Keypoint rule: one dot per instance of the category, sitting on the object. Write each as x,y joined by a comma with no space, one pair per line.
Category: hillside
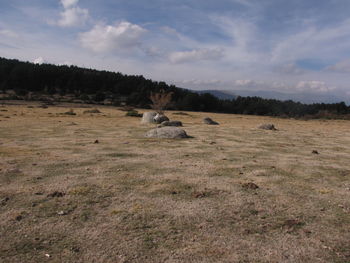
28,81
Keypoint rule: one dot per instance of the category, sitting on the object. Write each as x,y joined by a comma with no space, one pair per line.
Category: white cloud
291,69
244,82
39,60
108,38
341,67
243,38
8,33
196,55
314,85
313,42
69,3
73,16
201,82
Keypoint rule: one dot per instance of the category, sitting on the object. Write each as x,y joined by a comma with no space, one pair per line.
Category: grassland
65,198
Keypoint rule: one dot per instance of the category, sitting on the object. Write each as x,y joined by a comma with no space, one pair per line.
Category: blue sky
285,45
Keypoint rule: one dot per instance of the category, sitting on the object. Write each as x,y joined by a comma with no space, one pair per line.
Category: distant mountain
303,97
220,94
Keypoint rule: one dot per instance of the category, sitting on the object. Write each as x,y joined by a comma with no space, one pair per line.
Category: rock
250,186
315,152
14,171
71,124
19,218
159,118
96,141
209,121
267,126
148,117
62,213
92,111
167,133
56,194
4,201
171,123
200,194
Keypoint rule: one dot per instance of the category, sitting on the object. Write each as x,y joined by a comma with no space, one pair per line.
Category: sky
288,46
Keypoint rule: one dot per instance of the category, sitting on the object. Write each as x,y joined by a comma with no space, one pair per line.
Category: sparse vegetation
239,194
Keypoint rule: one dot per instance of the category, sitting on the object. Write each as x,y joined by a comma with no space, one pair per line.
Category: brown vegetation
160,100
232,193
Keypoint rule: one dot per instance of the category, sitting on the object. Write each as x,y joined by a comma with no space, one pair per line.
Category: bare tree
160,100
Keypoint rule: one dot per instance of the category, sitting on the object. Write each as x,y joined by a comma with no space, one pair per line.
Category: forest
42,81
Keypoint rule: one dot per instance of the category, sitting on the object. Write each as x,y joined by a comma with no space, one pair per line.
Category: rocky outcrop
167,133
148,117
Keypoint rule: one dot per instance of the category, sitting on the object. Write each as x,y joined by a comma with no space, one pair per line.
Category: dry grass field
232,193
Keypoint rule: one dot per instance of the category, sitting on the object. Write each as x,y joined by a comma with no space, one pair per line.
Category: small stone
19,218
209,121
96,141
159,118
75,249
56,194
199,194
315,152
267,126
47,255
62,213
5,199
14,171
250,186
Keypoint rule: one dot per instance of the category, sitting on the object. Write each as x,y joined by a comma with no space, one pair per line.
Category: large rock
167,133
267,126
210,121
148,117
159,118
171,123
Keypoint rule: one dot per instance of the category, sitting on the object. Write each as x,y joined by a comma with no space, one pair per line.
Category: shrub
160,100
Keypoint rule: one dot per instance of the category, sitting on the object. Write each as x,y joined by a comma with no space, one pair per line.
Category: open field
64,198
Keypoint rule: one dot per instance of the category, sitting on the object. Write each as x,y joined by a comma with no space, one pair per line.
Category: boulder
171,123
148,117
209,121
167,133
159,118
267,126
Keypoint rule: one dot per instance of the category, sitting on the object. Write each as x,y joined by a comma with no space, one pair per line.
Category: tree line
96,86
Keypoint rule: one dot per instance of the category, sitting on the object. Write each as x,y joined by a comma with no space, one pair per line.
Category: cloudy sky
285,45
